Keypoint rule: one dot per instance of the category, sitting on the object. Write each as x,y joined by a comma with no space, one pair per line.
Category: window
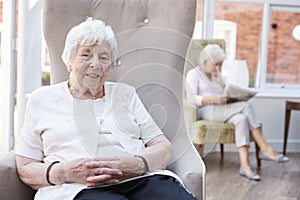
264,38
0,43
222,30
245,20
239,24
282,69
1,89
45,64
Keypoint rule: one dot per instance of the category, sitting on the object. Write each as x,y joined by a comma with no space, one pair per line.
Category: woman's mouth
93,75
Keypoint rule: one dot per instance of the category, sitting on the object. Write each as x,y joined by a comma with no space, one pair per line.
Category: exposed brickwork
283,50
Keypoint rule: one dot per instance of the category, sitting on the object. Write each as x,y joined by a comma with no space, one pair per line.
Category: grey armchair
153,38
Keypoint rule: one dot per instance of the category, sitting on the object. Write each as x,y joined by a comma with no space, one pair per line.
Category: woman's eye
104,59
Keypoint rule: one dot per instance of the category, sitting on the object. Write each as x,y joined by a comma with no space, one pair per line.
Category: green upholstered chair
204,131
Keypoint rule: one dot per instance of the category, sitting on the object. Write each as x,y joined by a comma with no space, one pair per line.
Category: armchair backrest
153,38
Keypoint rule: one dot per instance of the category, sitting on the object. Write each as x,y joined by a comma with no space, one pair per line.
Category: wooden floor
279,181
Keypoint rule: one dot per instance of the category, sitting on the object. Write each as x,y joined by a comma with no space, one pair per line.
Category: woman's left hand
130,167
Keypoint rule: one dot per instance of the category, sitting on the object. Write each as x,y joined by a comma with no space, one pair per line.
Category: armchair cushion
211,132
11,187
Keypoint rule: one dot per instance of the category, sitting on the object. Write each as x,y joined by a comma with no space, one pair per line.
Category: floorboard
279,181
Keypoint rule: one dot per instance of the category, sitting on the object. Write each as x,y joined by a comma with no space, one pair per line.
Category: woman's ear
205,63
206,66
69,68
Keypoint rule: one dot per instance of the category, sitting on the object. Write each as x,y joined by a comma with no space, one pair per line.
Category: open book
238,93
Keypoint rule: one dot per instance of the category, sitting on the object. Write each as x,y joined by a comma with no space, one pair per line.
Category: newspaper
237,93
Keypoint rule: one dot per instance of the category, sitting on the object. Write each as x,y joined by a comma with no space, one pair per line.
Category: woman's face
90,66
210,66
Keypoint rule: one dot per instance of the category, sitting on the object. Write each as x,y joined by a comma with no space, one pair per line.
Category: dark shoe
280,159
252,176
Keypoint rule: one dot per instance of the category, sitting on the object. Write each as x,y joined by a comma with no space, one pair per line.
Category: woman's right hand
220,99
32,172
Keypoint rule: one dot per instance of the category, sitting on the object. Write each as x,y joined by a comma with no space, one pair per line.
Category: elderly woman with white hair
87,138
205,88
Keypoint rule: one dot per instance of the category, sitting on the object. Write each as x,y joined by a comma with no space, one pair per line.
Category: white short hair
212,52
87,33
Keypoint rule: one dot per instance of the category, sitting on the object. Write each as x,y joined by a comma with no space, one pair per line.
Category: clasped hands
99,172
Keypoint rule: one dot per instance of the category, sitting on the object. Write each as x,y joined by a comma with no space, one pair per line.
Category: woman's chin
91,81
92,86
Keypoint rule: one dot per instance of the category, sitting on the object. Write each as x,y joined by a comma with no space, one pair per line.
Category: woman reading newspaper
205,88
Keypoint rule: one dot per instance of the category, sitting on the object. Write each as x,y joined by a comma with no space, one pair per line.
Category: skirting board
292,146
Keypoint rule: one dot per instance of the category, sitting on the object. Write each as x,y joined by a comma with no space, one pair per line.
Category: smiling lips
93,75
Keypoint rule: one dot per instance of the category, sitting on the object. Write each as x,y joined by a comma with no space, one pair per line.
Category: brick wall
283,50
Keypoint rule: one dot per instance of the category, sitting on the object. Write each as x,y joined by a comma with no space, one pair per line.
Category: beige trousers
241,114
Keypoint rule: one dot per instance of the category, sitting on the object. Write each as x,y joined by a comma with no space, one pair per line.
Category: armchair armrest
190,116
11,187
192,171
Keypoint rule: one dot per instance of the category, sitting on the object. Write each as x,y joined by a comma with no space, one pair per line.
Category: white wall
271,112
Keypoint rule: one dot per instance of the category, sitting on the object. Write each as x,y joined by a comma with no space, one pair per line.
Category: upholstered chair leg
199,148
258,161
222,150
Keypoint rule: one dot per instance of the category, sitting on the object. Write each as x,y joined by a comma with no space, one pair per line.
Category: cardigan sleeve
148,127
29,143
192,86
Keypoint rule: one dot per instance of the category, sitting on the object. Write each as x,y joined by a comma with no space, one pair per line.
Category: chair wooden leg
258,161
198,147
222,150
286,128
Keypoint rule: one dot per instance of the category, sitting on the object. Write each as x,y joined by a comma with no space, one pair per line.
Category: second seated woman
205,89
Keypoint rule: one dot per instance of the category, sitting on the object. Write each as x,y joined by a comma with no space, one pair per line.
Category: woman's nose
95,63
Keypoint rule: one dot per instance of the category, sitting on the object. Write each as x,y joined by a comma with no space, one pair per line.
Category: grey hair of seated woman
212,52
89,33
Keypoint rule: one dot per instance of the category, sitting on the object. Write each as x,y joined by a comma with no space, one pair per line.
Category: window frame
264,88
263,58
